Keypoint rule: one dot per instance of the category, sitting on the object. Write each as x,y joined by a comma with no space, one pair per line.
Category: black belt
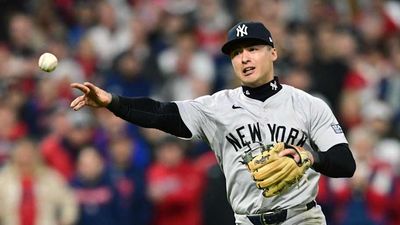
275,216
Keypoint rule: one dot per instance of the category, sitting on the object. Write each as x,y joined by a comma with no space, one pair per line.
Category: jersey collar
264,91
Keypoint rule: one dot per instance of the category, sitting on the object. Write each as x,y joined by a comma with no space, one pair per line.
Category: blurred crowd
92,168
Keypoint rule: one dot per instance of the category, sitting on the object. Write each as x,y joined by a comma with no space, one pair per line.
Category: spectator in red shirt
175,186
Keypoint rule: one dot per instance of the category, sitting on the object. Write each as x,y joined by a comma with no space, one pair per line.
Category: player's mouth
247,71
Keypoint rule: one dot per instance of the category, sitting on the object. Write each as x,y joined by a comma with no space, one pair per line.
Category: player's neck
264,91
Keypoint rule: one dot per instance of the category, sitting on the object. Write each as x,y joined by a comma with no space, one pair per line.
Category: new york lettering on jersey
251,133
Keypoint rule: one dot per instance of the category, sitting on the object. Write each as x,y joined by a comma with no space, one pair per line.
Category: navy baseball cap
247,31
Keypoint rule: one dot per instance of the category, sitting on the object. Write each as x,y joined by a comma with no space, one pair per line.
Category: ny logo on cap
241,30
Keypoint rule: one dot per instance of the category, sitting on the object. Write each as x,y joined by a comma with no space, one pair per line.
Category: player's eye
252,49
235,52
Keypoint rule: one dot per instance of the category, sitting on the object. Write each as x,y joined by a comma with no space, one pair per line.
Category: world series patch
337,128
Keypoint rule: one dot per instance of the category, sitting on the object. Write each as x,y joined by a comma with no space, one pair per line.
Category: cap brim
229,46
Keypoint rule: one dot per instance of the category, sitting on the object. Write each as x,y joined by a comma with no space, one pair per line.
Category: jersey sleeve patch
337,128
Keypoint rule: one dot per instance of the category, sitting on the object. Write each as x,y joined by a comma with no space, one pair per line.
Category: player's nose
245,56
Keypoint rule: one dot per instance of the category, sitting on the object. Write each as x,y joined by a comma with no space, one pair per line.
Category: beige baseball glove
274,173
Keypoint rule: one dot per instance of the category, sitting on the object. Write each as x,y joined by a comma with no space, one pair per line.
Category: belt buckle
265,217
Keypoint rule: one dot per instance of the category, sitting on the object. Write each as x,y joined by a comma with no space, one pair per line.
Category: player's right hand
92,96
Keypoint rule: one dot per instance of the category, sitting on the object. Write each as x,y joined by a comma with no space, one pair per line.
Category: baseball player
255,131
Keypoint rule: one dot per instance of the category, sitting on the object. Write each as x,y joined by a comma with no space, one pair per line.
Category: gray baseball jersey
229,121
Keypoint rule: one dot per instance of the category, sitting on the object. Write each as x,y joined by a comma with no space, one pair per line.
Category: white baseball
48,62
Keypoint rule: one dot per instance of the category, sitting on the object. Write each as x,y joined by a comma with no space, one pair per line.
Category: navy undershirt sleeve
149,113
338,161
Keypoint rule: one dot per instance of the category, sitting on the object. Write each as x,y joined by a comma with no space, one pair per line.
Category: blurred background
59,167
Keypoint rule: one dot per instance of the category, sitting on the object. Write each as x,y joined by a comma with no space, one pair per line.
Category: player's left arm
334,157
338,161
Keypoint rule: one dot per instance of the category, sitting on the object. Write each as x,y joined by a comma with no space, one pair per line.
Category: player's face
253,64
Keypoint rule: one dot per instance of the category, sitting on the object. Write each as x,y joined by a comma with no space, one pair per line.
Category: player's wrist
109,99
314,157
113,103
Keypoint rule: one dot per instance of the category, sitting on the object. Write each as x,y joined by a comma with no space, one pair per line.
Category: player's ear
273,52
